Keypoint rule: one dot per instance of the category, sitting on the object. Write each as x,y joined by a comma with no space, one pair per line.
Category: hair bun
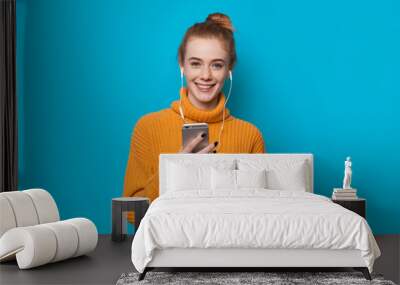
221,20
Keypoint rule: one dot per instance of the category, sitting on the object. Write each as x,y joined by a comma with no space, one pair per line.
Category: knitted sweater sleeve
141,177
258,145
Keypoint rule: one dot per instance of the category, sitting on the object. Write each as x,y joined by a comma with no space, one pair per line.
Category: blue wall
314,76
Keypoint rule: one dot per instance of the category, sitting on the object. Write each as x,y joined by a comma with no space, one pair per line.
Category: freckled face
206,65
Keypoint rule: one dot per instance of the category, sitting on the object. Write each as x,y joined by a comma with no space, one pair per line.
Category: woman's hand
192,145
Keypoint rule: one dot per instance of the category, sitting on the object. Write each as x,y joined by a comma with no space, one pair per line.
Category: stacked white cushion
251,178
31,232
183,177
235,179
281,174
223,179
283,171
188,175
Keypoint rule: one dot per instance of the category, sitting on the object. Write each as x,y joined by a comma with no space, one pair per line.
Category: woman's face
205,66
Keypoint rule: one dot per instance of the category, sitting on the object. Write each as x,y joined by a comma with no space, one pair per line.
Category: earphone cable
223,113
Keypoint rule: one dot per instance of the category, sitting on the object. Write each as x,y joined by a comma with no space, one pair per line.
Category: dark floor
103,266
389,262
110,260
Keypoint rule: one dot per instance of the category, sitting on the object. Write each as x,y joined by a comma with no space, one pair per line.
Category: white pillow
188,175
236,179
289,179
281,174
223,179
251,178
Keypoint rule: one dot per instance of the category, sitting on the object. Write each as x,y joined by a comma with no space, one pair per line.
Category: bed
247,210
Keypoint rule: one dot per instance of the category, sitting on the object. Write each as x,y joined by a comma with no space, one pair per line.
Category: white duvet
251,218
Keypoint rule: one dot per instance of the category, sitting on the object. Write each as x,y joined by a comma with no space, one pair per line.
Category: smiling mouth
204,87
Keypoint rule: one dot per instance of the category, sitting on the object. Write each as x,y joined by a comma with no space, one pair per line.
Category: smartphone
190,131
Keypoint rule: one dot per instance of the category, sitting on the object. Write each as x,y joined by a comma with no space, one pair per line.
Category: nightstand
120,207
358,206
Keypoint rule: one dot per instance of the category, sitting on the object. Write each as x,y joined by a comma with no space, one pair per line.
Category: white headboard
164,158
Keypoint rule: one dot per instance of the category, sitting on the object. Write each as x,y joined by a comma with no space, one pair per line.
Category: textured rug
269,278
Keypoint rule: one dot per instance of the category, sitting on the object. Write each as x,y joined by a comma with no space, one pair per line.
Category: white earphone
180,102
223,112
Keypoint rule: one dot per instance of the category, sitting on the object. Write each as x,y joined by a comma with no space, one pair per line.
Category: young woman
206,58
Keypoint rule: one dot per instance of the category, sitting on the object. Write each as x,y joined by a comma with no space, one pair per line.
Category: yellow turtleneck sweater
161,132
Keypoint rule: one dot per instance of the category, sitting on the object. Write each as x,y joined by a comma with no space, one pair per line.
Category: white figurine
347,173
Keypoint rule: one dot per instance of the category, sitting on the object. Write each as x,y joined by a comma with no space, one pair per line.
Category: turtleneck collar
194,114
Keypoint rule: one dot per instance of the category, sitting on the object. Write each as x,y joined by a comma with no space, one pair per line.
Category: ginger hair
217,25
